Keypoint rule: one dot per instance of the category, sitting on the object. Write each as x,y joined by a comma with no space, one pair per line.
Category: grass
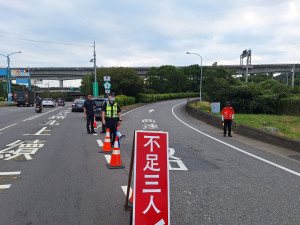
5,103
289,126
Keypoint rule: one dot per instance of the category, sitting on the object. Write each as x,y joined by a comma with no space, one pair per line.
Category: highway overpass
73,73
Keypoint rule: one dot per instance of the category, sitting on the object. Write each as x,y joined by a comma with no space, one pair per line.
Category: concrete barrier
244,130
267,137
204,116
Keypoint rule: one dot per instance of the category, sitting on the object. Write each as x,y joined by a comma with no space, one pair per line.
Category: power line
46,42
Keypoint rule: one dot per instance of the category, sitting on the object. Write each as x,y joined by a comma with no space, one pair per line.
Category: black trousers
103,127
112,125
227,123
90,121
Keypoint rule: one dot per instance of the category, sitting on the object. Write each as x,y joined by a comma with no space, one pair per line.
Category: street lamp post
8,74
201,71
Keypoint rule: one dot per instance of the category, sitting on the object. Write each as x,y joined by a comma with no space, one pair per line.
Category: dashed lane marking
235,148
100,143
8,126
10,173
124,188
108,158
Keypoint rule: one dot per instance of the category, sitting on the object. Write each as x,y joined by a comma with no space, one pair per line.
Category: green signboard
95,89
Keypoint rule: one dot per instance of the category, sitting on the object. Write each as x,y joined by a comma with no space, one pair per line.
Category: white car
49,102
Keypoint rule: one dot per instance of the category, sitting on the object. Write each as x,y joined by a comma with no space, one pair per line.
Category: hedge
1,98
125,100
289,106
144,98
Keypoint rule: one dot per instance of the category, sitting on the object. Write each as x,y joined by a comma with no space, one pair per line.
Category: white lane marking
238,149
52,122
124,188
10,173
11,144
8,126
5,186
151,110
44,113
108,158
177,160
100,143
40,131
95,134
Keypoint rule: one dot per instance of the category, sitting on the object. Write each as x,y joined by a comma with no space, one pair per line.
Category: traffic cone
107,144
95,125
130,202
115,162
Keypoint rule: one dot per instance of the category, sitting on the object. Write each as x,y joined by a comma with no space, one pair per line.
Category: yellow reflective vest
111,111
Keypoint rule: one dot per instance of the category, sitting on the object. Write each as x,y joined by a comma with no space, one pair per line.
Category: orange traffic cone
115,162
95,125
107,144
130,203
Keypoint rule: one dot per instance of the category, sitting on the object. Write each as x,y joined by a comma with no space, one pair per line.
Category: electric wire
46,42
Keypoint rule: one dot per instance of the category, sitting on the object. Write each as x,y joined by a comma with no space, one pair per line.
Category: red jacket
227,113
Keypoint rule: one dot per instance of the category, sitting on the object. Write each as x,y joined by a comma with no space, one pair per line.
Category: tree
166,79
193,73
124,81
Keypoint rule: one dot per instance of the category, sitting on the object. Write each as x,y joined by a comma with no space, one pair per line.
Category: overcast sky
148,33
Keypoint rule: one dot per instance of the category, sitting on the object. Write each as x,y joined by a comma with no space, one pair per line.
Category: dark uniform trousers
227,123
89,120
112,124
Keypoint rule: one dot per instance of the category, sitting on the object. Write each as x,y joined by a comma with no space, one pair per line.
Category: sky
61,33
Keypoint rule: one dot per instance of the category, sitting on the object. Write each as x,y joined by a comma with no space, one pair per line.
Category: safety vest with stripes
228,113
112,111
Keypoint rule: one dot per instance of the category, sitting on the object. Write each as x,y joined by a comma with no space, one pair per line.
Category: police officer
227,117
111,116
88,110
105,101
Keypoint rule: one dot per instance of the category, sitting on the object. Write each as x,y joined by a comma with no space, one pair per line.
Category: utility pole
293,76
95,84
9,75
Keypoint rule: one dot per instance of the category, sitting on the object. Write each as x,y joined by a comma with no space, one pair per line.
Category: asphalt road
51,171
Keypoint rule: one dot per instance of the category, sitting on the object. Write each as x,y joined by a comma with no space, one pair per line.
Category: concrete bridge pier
61,83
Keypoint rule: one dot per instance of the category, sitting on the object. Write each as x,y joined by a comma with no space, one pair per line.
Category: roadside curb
244,130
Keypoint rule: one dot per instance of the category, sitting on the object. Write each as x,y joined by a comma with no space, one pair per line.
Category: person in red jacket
227,117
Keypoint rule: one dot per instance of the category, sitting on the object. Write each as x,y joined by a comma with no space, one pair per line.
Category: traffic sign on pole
95,89
107,91
106,78
151,201
107,85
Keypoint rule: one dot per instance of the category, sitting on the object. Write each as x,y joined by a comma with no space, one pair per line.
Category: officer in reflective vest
227,117
105,101
111,116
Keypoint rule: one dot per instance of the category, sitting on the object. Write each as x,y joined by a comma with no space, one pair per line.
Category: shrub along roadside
289,126
144,98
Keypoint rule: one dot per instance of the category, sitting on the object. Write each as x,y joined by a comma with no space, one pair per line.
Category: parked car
49,102
97,111
25,98
78,105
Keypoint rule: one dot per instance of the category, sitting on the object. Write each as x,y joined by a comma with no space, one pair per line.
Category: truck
24,97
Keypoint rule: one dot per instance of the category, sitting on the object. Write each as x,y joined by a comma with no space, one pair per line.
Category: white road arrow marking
151,110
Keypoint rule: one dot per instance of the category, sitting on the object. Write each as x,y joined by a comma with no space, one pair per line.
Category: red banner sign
151,203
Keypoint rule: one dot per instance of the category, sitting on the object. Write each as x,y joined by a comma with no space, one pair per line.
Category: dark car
77,105
97,111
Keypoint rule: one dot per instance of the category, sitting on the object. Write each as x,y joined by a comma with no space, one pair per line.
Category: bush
1,98
289,106
123,100
144,98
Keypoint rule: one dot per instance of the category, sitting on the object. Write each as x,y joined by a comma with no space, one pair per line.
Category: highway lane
68,182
